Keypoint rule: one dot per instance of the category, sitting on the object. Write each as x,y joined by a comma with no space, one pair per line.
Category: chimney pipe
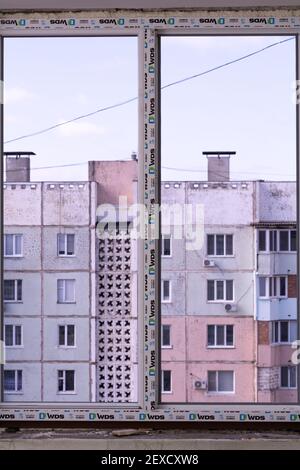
218,168
17,166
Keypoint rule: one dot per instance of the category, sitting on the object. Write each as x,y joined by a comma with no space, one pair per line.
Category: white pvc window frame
149,26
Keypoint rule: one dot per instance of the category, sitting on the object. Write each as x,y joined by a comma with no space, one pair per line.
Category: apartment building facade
229,308
228,305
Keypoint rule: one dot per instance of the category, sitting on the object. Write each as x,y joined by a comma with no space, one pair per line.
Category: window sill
8,392
64,303
66,256
220,347
219,393
14,347
13,256
220,256
67,393
66,347
167,347
166,301
13,301
166,256
167,393
220,301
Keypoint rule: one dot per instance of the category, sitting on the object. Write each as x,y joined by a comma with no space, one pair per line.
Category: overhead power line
130,100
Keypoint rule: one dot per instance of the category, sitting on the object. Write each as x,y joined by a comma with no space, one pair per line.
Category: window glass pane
229,290
9,244
220,335
293,240
282,286
69,290
9,339
70,380
19,290
293,330
166,380
166,290
225,381
283,240
18,244
71,335
220,244
210,244
9,380
61,335
210,290
19,380
284,376
70,244
275,332
60,290
262,240
166,245
229,245
262,286
220,290
9,289
284,331
293,376
166,335
212,381
18,335
61,243
210,335
229,335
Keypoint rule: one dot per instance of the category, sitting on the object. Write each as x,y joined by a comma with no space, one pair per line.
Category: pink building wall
189,358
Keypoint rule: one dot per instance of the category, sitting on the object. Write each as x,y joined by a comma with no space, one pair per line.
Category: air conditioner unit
200,385
231,307
208,263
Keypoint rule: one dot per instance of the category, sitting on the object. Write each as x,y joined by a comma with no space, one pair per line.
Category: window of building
284,331
288,377
219,336
166,245
219,245
13,245
166,381
166,336
13,381
66,244
66,335
65,291
12,290
272,287
66,381
221,381
13,335
219,290
277,240
166,291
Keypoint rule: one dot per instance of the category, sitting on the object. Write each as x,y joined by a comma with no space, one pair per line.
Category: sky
245,107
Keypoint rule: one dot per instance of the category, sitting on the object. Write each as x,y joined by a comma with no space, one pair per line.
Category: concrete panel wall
197,293
31,291
66,203
22,204
52,261
31,383
81,305
31,331
31,259
277,201
244,340
54,352
82,383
